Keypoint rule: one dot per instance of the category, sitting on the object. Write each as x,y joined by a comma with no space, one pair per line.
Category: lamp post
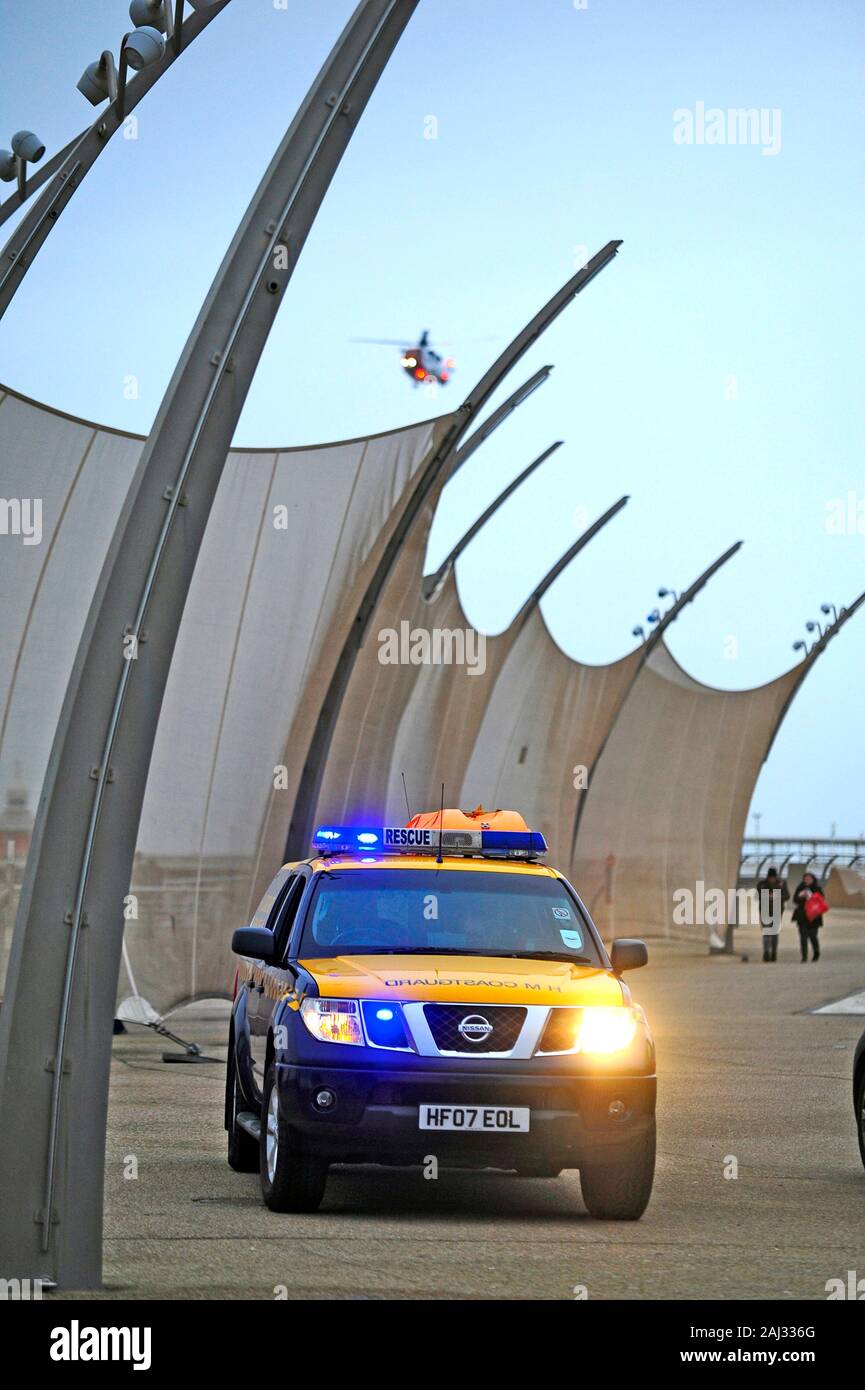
148,50
26,149
106,79
656,616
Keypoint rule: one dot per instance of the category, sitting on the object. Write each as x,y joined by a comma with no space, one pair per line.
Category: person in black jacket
772,895
807,930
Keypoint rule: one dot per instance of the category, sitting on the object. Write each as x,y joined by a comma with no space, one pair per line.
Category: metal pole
56,1022
564,561
432,582
805,665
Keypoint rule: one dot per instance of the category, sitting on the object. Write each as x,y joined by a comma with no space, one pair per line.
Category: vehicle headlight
606,1029
333,1020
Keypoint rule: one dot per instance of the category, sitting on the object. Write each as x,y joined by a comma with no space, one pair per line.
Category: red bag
815,906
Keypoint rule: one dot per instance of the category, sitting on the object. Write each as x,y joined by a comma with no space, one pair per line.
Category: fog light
325,1098
617,1109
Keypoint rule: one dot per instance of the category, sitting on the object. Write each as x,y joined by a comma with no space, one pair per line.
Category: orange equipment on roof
479,819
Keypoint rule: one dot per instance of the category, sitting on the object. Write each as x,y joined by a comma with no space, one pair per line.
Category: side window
286,910
270,899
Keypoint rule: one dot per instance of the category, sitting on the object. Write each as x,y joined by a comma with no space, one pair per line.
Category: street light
668,593
106,79
812,626
65,171
638,632
800,646
827,608
157,14
26,149
654,616
153,13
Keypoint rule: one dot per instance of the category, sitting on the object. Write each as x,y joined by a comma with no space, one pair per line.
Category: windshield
373,911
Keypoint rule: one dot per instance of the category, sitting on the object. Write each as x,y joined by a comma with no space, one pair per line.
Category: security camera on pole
26,149
105,80
161,32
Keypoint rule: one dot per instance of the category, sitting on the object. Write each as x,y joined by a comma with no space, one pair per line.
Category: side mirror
628,954
257,942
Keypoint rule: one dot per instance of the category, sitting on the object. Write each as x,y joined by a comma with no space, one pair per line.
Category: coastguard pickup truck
436,989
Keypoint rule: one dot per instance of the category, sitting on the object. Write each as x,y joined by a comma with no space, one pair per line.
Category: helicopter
421,363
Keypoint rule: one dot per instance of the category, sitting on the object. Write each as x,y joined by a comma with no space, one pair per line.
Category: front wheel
618,1189
860,1113
290,1179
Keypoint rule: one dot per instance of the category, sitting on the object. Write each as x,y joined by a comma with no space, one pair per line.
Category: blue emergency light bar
401,839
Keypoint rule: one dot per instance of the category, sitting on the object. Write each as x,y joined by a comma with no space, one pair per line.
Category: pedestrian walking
808,915
772,895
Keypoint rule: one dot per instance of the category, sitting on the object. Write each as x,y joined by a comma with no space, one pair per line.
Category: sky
712,372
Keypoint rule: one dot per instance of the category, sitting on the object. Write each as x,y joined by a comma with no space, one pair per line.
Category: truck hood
464,979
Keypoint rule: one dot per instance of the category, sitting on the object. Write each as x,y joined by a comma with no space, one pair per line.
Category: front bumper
375,1117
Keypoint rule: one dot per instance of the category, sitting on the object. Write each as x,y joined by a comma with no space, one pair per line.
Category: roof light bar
399,839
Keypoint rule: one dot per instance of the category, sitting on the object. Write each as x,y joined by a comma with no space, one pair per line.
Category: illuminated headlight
604,1030
333,1020
592,1031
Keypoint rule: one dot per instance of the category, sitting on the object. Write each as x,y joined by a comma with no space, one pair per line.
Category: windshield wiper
552,955
418,951
461,951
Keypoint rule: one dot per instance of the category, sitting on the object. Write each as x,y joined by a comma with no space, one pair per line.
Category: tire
290,1179
242,1148
620,1190
860,1113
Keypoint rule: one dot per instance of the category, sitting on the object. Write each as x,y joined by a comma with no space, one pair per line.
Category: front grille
560,1032
505,1020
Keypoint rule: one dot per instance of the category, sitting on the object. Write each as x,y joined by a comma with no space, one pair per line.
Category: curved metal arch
300,828
73,163
687,596
498,417
806,664
61,991
565,559
433,582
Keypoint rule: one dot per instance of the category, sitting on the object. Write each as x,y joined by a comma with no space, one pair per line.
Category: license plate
487,1119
